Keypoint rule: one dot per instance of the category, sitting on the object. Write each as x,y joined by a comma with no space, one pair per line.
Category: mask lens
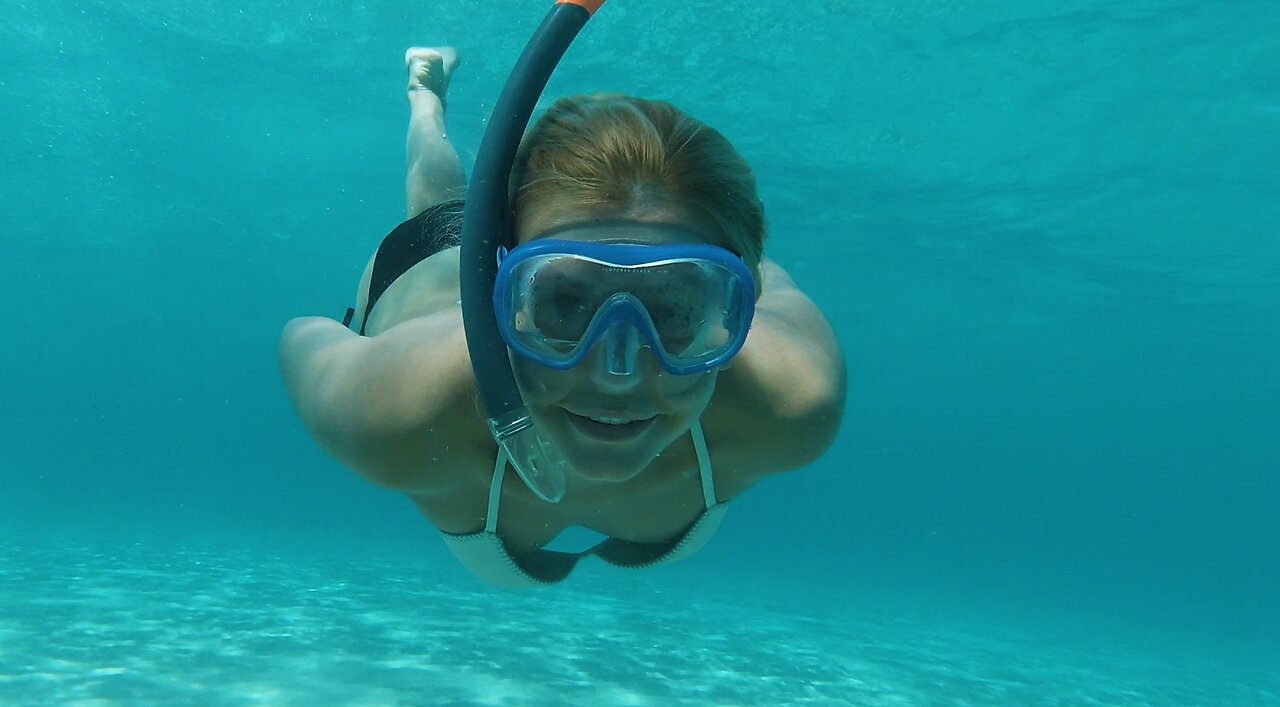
563,298
689,303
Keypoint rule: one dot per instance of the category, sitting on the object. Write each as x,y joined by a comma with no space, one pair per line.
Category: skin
399,405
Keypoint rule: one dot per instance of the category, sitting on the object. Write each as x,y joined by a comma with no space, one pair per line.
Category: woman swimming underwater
665,360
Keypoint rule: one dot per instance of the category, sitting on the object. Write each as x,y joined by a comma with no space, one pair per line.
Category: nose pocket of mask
621,345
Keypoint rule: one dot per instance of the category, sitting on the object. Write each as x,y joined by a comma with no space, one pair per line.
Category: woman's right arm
399,408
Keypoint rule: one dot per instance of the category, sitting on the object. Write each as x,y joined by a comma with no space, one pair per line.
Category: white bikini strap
704,464
495,491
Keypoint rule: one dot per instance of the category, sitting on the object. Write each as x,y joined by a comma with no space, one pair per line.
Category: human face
636,416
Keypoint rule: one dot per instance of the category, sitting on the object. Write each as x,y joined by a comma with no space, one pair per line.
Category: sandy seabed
138,624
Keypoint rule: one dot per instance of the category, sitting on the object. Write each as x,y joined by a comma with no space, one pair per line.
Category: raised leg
433,172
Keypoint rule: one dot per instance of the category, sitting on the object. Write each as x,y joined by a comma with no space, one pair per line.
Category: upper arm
396,407
780,403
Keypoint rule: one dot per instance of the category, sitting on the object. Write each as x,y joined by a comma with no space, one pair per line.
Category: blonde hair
604,154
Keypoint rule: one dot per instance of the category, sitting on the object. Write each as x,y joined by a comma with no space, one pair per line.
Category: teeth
614,420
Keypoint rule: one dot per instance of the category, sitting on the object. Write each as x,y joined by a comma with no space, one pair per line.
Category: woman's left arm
779,404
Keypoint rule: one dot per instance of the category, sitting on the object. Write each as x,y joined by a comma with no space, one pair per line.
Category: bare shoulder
779,405
398,408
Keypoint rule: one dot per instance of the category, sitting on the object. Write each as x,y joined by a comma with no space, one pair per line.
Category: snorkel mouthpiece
538,464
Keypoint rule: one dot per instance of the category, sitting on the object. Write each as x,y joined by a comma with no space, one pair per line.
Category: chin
610,472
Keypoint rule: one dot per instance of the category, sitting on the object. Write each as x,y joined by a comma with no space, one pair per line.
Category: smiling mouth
608,428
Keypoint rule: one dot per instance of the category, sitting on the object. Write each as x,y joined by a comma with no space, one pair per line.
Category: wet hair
604,155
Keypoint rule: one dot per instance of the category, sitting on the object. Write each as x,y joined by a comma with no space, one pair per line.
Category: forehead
622,231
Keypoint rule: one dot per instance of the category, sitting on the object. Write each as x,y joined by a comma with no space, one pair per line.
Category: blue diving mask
690,304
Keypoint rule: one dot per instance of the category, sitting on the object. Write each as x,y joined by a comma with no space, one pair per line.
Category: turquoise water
1048,237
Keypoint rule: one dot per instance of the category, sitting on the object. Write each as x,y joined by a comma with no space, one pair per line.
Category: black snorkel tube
487,225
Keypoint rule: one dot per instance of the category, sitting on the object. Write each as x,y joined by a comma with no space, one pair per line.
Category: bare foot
430,68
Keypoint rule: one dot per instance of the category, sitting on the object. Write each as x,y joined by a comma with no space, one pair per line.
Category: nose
618,362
